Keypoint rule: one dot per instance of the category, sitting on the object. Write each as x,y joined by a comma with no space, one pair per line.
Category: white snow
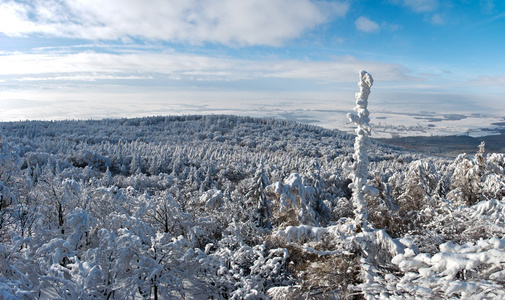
301,233
480,264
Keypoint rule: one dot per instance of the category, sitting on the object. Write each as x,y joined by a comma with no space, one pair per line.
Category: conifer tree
257,194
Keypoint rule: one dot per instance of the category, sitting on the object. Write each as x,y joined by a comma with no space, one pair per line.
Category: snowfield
228,207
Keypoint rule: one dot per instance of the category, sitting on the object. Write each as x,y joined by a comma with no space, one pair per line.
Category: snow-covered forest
228,207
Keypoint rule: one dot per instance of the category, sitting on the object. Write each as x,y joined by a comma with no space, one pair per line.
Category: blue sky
62,59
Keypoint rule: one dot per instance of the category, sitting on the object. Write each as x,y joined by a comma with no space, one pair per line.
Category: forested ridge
229,207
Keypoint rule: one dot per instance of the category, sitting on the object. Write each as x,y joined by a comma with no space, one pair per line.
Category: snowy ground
430,124
394,124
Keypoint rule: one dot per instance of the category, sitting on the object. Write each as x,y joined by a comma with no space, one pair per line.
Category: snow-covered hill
229,207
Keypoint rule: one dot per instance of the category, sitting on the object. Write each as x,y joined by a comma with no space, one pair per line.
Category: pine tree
136,164
257,194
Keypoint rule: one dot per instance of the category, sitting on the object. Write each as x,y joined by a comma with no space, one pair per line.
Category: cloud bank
92,66
228,22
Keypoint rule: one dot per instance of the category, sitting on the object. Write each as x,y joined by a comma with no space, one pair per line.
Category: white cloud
14,20
420,6
366,25
92,66
229,22
427,7
84,77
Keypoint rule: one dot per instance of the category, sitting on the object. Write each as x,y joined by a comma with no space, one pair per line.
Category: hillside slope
229,207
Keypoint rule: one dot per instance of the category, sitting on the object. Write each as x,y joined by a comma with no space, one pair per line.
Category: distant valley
449,146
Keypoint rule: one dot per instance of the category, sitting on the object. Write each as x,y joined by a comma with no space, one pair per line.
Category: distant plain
427,127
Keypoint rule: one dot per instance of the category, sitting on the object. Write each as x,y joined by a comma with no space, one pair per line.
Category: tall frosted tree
257,193
360,166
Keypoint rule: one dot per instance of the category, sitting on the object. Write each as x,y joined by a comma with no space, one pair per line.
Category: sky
91,59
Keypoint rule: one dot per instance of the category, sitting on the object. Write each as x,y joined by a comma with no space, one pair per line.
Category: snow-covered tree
165,215
294,203
359,174
466,182
168,207
257,194
10,181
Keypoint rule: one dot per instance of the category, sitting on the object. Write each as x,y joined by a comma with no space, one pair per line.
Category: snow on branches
227,207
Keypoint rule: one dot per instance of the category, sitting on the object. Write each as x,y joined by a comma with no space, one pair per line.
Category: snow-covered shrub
17,269
478,178
444,222
294,203
330,277
420,182
383,209
493,186
157,267
78,223
496,162
301,233
204,231
241,271
493,180
319,271
285,292
212,199
466,180
492,210
406,194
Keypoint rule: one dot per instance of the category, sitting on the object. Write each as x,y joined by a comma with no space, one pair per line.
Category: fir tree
257,194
